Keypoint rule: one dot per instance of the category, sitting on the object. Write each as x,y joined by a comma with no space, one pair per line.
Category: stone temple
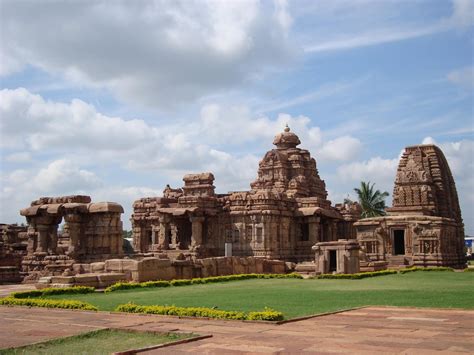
424,227
283,223
282,216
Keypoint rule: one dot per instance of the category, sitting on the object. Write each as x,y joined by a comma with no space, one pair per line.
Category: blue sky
117,99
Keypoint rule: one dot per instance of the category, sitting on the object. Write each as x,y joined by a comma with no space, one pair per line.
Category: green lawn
296,297
97,342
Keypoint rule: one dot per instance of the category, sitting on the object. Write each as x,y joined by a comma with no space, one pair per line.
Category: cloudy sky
115,99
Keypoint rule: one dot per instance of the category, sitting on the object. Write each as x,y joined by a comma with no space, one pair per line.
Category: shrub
358,276
180,282
197,281
155,284
53,291
68,304
122,286
267,314
431,268
469,269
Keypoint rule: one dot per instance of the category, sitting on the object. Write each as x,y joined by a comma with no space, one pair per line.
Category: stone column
43,236
196,236
74,225
163,234
314,229
331,230
32,239
53,239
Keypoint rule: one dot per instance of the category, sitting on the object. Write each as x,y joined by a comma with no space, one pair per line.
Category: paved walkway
372,330
5,290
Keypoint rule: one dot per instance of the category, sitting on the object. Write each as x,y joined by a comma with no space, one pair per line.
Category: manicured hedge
469,269
267,314
68,304
53,291
360,275
201,280
431,268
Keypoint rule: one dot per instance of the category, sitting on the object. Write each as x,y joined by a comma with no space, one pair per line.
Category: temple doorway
184,233
332,260
399,242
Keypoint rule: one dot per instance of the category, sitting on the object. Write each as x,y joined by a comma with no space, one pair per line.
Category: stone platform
371,330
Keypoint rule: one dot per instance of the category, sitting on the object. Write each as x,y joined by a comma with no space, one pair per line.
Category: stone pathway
372,330
5,290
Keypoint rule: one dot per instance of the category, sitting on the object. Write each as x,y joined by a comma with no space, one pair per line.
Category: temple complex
283,223
424,227
282,216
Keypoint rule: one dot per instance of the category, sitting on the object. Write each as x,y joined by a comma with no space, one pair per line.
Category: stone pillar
314,229
53,239
163,234
74,225
331,231
32,239
196,236
43,236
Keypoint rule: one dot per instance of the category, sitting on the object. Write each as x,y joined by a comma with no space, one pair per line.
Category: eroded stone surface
92,231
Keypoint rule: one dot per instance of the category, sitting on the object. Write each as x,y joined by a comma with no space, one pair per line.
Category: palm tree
372,202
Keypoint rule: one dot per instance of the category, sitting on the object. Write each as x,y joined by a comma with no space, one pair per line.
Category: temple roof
286,139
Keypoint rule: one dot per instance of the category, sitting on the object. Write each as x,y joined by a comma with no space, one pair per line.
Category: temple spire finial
287,129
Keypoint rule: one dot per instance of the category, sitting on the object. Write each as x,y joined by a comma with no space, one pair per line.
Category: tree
372,202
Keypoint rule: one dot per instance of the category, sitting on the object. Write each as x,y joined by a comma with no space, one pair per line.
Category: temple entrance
304,232
184,232
399,242
332,260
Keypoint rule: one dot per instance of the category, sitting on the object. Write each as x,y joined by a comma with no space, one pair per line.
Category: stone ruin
13,243
92,232
424,227
281,217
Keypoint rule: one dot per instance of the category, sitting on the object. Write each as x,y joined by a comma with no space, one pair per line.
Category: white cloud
463,77
62,176
157,53
377,170
28,121
463,13
342,148
369,23
428,140
370,39
19,157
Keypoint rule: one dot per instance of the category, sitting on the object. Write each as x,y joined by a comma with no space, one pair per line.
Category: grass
296,298
104,341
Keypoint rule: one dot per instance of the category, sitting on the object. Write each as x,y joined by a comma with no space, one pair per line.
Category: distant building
469,241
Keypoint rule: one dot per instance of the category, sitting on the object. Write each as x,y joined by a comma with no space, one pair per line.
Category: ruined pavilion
282,216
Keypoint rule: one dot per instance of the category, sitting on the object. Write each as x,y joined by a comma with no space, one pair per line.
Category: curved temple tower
424,227
283,215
